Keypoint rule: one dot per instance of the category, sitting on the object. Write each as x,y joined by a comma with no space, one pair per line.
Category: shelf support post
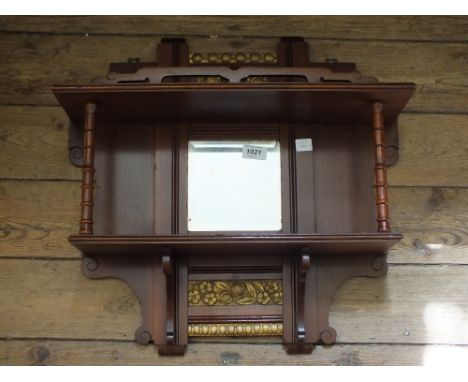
87,184
383,219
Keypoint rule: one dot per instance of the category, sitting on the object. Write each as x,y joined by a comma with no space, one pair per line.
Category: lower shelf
235,286
259,243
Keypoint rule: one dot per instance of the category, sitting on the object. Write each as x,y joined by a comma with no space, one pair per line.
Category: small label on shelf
304,144
254,152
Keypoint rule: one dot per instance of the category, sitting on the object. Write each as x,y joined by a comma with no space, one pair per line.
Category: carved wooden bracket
317,279
164,300
153,279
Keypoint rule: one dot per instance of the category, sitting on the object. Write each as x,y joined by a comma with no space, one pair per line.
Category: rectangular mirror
234,185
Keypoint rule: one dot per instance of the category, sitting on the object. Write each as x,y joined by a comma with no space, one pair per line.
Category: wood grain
58,302
33,145
433,151
37,217
50,352
402,28
33,62
433,222
380,322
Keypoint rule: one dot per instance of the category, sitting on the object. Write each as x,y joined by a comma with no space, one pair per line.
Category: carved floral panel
228,292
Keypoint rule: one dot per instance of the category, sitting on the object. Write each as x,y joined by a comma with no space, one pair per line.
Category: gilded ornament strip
233,58
235,330
238,292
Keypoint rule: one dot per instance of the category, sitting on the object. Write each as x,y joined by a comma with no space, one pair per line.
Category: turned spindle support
87,184
383,219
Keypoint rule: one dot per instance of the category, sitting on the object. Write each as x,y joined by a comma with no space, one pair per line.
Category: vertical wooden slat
159,302
380,171
288,306
180,181
288,191
87,185
162,180
292,51
182,309
173,52
304,174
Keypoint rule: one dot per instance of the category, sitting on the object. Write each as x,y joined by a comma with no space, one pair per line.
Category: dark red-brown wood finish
134,126
87,186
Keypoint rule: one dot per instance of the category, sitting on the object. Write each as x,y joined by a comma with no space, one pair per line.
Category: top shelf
327,103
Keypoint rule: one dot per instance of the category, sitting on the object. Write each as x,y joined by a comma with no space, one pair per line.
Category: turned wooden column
383,219
87,184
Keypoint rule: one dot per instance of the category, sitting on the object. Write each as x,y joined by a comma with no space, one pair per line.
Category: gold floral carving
232,58
228,292
235,330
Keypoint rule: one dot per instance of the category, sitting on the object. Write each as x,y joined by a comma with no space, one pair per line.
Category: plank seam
46,258
94,340
230,36
40,258
6,104
407,111
429,186
390,186
41,180
404,112
64,180
417,112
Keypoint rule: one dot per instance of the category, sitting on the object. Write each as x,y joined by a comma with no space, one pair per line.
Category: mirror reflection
234,185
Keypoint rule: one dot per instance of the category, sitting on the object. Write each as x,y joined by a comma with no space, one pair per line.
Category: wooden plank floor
51,314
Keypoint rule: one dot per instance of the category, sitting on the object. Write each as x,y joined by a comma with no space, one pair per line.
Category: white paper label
303,145
254,152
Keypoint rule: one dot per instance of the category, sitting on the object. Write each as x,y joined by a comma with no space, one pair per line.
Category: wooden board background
51,314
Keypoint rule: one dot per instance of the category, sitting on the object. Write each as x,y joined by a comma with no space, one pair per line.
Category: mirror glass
234,185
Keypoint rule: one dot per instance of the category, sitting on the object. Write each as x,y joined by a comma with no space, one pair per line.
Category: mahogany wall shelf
264,103
130,131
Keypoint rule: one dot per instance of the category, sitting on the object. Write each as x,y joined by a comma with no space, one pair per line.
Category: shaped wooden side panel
154,281
307,322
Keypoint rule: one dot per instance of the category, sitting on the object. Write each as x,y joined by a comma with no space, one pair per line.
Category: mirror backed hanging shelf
133,133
